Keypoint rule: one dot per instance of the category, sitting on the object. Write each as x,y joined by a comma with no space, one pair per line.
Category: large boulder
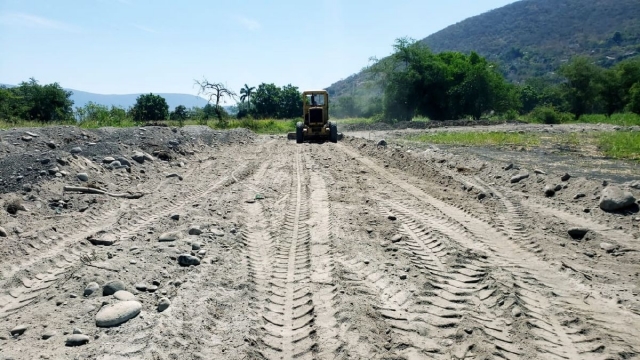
614,198
118,313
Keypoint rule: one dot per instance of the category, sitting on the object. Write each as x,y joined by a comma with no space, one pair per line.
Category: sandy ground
313,251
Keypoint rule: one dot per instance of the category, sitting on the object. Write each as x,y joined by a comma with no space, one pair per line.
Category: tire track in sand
298,315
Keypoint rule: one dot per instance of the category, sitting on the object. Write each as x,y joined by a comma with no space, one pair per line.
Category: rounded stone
112,287
170,236
77,340
83,177
163,304
91,288
186,260
124,295
19,330
118,313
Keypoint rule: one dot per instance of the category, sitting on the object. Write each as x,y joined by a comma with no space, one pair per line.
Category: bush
511,115
549,115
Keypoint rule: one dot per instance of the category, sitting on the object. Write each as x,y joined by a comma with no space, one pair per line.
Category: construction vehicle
316,125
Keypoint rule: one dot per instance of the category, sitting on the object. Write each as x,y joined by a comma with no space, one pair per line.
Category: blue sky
132,46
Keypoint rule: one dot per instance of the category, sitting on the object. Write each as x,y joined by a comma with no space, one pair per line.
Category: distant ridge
531,38
81,98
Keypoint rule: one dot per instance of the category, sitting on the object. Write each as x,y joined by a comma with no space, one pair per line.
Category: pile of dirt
28,155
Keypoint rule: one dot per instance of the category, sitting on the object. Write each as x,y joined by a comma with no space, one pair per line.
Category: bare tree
214,90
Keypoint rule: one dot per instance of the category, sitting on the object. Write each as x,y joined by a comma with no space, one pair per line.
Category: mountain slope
534,37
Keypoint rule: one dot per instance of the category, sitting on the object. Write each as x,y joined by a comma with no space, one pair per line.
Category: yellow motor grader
316,125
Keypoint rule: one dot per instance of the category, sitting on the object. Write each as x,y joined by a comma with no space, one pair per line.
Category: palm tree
246,93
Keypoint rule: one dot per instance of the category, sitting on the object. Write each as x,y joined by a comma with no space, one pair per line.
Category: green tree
245,94
266,101
290,102
634,98
44,103
150,107
582,86
179,113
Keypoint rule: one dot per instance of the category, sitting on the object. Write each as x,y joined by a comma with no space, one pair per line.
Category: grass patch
620,145
478,138
629,119
269,126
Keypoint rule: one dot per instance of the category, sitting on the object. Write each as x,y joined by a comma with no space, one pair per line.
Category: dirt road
323,251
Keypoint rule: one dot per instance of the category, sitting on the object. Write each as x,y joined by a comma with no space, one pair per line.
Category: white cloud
23,19
249,24
145,29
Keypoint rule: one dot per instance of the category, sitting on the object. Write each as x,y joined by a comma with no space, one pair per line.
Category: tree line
415,82
31,101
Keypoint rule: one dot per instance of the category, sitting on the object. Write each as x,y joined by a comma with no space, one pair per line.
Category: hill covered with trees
534,38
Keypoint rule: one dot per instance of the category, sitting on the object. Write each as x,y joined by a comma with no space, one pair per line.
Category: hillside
81,98
534,37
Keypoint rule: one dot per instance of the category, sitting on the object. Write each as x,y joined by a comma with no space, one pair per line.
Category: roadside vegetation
617,145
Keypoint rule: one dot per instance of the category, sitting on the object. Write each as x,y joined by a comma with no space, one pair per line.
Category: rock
163,304
549,191
195,246
152,288
382,142
174,142
77,340
396,238
18,330
174,175
141,286
138,157
115,164
111,287
539,172
403,276
634,184
62,162
108,160
51,144
26,138
3,232
516,311
202,253
76,150
124,295
608,247
614,198
123,161
118,313
508,167
579,196
250,201
76,331
391,217
482,196
175,217
53,170
217,232
195,230
91,288
48,334
148,157
577,233
103,240
519,177
83,177
170,236
590,253
565,177
187,260
558,187
45,161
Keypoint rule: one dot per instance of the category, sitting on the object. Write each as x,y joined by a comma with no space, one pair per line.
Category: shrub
549,115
